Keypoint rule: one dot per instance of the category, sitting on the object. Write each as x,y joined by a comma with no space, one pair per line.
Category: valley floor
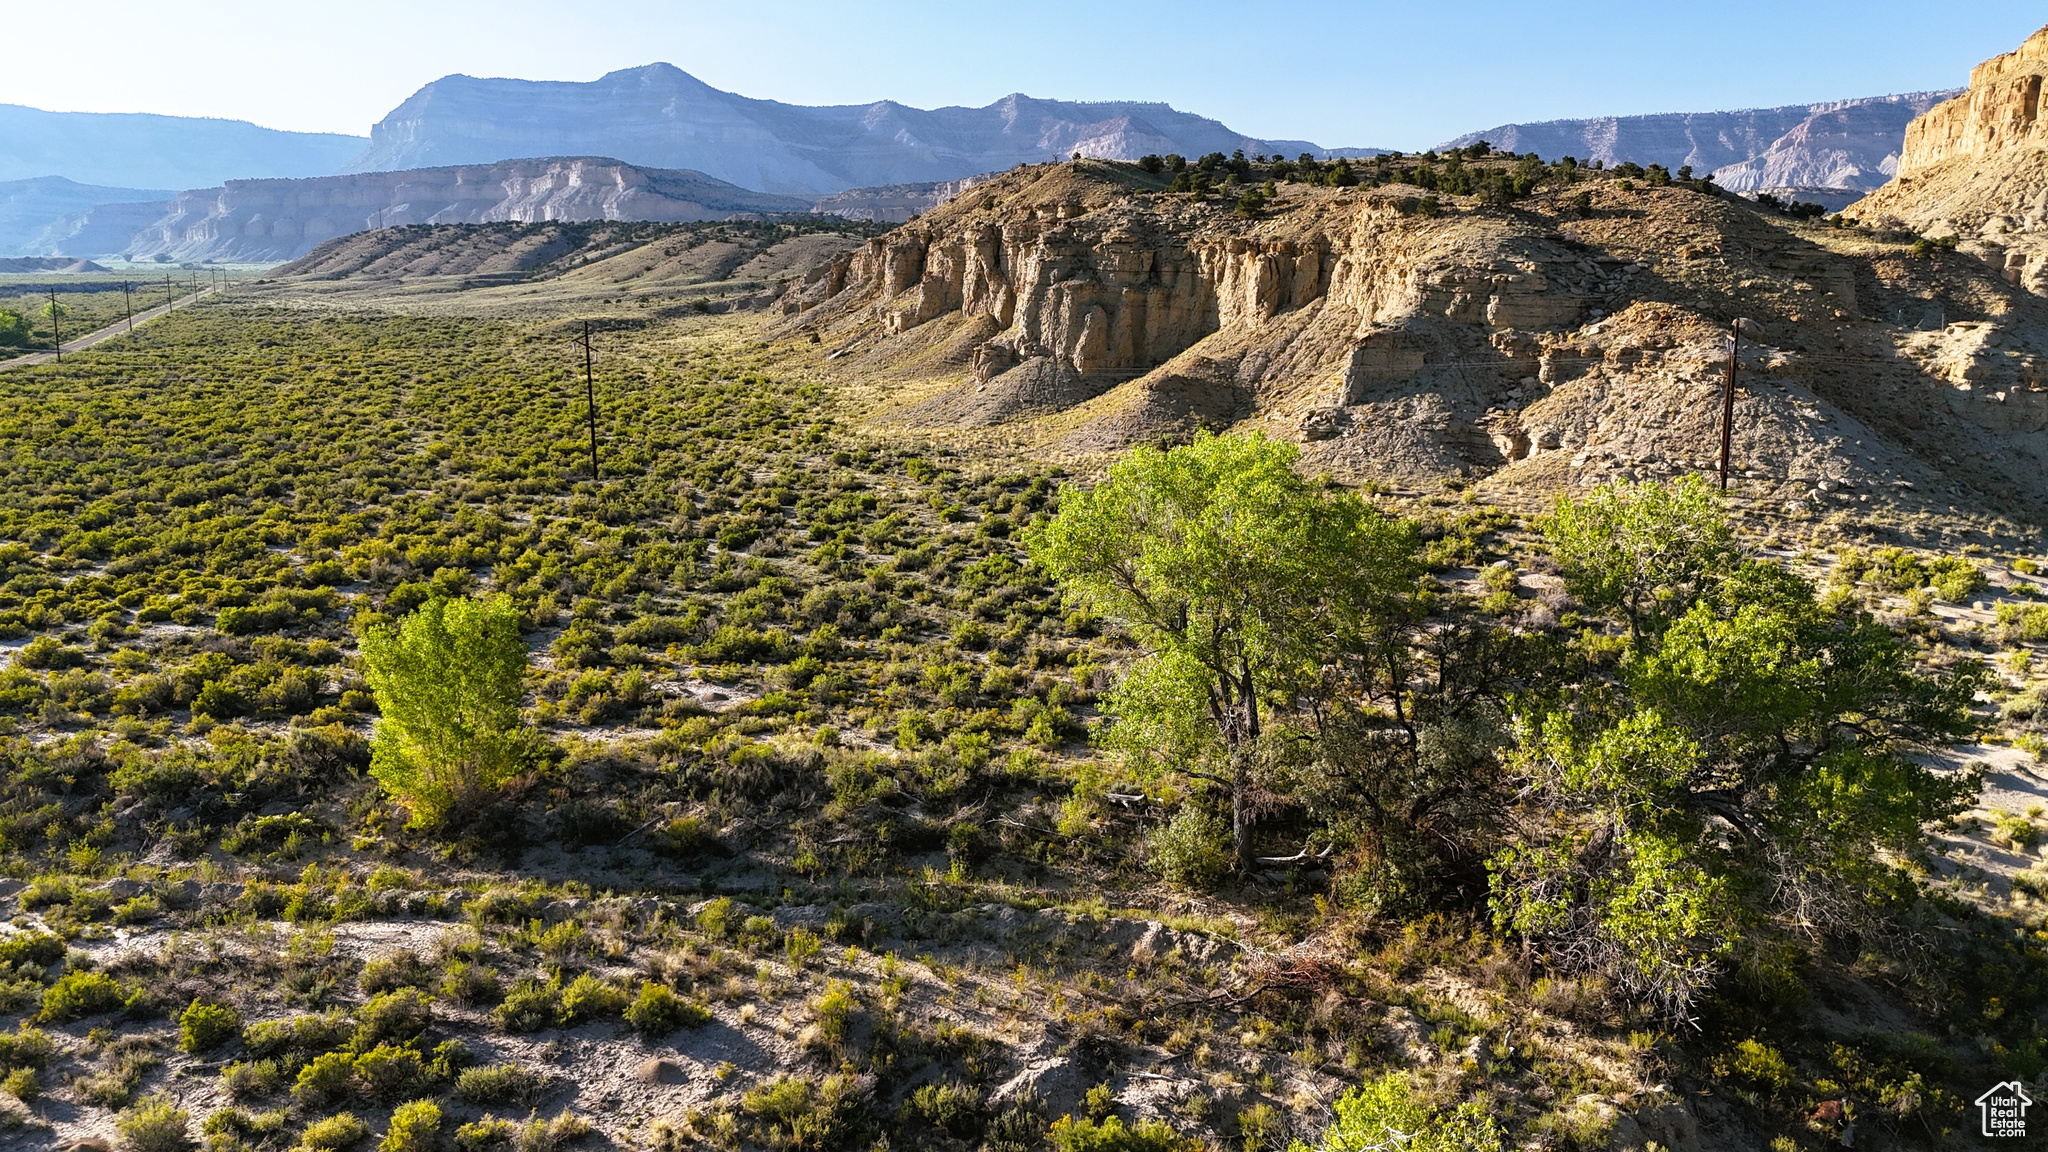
820,854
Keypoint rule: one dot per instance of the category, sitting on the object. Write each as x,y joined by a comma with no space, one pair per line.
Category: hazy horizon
1384,75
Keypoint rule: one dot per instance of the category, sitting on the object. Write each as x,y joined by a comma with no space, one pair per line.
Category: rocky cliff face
1844,144
263,220
661,116
892,203
1076,309
2000,111
32,213
1976,168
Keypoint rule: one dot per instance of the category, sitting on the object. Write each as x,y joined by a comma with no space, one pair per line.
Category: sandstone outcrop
1574,336
1976,166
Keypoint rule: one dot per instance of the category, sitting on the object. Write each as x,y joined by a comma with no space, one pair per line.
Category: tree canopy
1239,578
1748,769
448,681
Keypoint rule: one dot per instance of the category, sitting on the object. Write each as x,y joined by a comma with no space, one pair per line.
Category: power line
1728,398
590,394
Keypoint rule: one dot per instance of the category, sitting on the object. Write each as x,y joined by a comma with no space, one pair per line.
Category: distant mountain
1849,145
273,220
28,209
136,149
661,116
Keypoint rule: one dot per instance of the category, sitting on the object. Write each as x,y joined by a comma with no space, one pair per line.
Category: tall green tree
1240,578
448,679
1750,772
1646,551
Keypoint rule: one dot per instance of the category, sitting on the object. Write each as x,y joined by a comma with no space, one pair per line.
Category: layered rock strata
1572,337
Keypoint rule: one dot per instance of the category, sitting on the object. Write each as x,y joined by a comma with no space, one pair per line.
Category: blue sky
1403,75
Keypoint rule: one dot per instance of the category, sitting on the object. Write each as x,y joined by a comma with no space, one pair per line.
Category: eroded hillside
1574,334
617,268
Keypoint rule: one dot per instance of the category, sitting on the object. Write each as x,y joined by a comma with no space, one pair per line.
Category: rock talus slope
1576,335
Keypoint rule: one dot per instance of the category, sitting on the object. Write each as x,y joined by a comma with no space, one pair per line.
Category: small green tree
1240,578
1752,768
448,680
1646,550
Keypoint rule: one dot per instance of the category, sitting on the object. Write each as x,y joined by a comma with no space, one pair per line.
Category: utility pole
1728,396
590,394
128,305
56,333
170,301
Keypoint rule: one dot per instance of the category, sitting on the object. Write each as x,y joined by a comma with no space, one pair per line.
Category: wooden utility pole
590,394
56,333
128,305
170,301
1728,397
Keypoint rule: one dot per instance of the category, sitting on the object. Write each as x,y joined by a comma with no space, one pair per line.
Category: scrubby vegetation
825,784
1475,170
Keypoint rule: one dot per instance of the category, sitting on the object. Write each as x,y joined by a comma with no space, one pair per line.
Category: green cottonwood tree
1749,773
448,679
1241,580
1645,550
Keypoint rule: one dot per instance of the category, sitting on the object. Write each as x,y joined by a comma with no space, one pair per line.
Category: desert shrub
716,917
26,1047
1384,1113
154,1124
299,1038
686,837
413,1127
1755,1063
77,995
2014,831
2032,881
792,1110
392,1017
387,1072
536,1135
395,971
468,983
504,1085
334,1134
202,1027
253,1079
1955,579
529,1006
39,948
122,1065
22,1084
1193,850
948,1106
657,1011
1069,1134
229,1129
325,1079
2023,621
588,998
